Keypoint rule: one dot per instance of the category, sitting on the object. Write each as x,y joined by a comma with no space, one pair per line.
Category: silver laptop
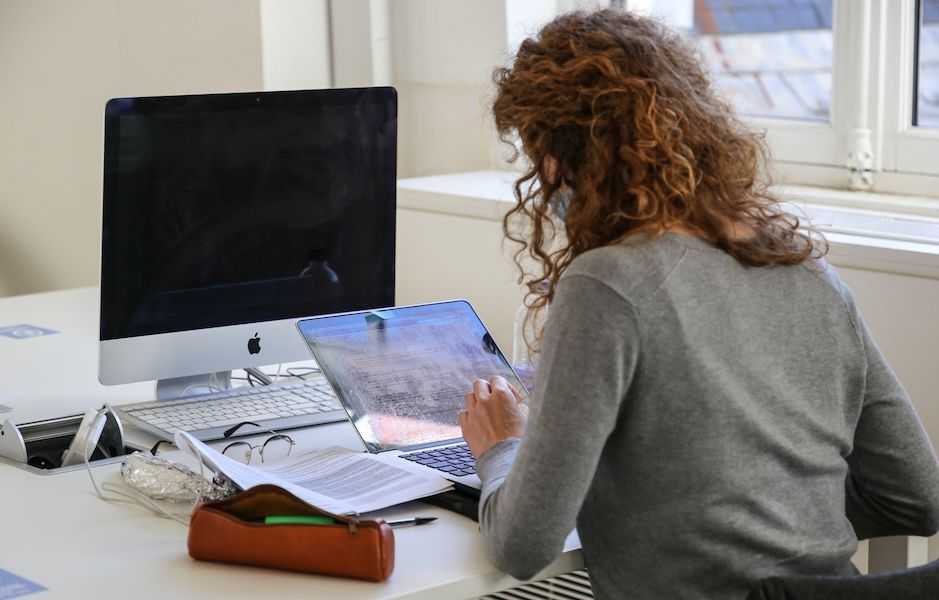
401,375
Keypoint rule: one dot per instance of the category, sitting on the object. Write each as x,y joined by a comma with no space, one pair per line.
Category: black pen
412,522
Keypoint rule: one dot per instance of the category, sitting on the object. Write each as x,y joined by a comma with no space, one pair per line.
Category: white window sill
893,234
478,194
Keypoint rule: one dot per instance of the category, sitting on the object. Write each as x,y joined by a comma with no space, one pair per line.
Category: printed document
338,480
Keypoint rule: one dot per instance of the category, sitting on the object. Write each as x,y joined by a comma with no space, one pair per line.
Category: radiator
569,586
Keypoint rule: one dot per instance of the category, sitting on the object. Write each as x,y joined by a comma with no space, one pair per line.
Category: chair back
920,583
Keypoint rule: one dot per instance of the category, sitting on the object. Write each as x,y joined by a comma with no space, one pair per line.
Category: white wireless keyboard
207,416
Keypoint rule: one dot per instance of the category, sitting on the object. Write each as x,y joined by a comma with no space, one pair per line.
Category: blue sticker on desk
24,331
12,586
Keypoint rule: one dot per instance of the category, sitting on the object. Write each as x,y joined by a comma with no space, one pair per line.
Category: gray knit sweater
705,424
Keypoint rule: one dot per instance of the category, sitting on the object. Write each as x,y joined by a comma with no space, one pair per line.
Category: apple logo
254,344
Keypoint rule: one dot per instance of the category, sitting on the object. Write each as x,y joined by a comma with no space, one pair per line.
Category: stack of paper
337,480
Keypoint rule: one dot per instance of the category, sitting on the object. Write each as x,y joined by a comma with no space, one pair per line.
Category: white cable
131,496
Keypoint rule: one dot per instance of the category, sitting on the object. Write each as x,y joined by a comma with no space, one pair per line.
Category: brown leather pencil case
233,531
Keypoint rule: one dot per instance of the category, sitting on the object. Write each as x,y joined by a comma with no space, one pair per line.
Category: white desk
56,532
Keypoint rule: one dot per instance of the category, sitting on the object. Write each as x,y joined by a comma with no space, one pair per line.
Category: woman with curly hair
709,406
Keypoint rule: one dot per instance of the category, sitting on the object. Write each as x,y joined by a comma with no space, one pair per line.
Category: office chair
920,583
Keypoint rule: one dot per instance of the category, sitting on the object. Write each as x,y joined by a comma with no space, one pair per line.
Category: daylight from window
771,58
927,96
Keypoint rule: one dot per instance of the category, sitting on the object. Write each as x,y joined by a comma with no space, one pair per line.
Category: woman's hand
494,412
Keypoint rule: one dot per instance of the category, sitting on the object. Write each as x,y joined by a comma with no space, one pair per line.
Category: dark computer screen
236,208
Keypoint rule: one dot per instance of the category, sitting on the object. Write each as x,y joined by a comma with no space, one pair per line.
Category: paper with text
337,480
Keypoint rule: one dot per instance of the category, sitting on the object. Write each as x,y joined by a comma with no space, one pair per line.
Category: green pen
298,520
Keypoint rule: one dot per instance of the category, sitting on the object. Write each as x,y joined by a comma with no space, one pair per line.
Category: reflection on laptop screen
402,372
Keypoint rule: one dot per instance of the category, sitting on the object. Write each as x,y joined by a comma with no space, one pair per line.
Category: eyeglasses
275,447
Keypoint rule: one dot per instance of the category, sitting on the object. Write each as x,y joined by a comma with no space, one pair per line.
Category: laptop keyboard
453,460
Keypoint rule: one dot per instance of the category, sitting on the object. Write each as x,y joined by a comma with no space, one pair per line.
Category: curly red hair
625,107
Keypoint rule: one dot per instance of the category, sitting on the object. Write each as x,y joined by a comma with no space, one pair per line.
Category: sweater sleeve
892,486
533,488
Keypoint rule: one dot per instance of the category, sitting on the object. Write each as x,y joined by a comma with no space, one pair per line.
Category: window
772,59
847,91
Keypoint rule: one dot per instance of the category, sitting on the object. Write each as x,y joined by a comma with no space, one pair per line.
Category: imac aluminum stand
180,387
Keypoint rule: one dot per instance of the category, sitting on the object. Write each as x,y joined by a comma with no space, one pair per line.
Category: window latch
860,161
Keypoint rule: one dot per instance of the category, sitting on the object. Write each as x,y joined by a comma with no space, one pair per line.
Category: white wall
443,56
444,53
469,261
361,42
59,63
295,44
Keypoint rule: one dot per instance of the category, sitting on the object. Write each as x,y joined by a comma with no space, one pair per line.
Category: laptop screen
402,373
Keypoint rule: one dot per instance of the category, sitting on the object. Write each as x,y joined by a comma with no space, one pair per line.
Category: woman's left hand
494,412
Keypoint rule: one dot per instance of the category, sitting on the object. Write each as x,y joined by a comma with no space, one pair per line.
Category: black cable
156,447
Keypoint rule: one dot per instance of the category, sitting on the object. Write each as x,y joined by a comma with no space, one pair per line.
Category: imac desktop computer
226,218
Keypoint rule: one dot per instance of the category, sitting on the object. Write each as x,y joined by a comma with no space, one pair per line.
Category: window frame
908,148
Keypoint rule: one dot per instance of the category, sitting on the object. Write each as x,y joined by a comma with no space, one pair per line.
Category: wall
443,56
295,44
60,63
469,261
361,42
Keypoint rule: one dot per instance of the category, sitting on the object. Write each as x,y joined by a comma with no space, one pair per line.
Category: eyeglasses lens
240,451
277,447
